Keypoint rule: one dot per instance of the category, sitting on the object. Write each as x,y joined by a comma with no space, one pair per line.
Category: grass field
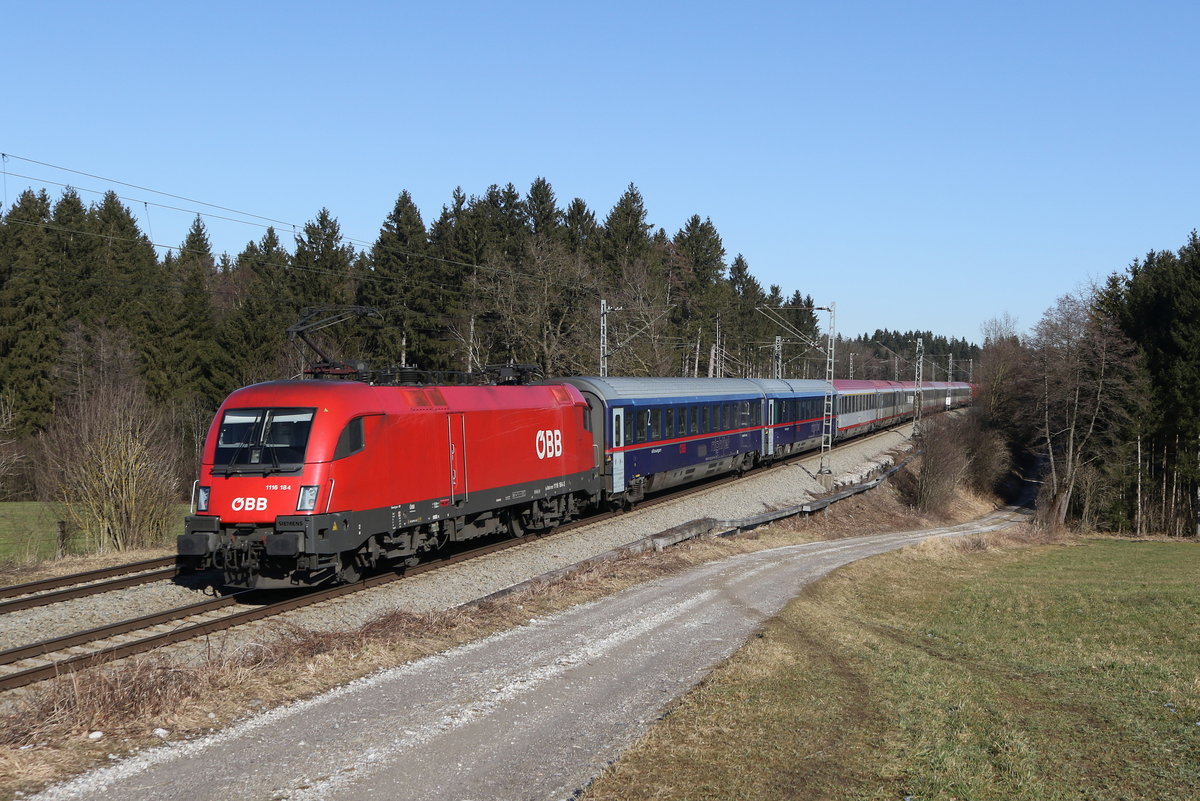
938,673
28,531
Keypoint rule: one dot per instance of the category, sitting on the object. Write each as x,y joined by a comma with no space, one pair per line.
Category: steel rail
191,631
13,590
84,590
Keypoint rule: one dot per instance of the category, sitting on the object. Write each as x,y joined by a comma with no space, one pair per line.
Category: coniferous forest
100,331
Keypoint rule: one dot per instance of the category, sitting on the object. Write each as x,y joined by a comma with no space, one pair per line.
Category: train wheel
516,525
350,572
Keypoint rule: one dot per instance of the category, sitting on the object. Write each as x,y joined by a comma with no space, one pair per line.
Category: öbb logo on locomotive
549,444
249,504
307,482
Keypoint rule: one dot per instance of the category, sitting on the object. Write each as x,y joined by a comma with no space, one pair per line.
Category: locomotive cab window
267,440
351,440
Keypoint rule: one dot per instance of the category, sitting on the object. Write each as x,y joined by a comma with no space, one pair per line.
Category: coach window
351,440
669,424
617,441
656,424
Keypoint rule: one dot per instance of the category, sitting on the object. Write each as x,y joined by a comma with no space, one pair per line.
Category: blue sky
924,165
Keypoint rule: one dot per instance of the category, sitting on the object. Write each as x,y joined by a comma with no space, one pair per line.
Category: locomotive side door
618,457
456,429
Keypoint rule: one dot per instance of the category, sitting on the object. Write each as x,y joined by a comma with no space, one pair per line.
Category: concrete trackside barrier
696,529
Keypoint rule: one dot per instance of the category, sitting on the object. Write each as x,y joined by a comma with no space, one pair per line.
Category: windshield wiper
231,465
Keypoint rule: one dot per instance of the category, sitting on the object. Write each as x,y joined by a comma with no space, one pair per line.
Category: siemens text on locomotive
308,482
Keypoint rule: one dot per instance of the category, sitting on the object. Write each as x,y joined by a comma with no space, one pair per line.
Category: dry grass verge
993,667
138,702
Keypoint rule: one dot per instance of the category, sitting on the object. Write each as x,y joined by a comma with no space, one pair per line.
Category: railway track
46,659
81,585
62,655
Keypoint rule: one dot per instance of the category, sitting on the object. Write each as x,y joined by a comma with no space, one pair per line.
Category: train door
768,449
618,457
456,429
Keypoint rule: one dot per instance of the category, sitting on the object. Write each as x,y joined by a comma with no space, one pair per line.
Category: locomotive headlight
308,499
202,499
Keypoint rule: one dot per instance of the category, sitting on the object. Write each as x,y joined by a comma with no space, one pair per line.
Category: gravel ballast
788,485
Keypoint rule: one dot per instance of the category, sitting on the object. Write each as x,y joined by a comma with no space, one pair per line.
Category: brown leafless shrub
989,460
943,466
109,460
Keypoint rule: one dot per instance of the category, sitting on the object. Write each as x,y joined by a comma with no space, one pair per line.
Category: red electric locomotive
306,482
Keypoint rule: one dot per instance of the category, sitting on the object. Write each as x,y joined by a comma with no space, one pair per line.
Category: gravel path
531,713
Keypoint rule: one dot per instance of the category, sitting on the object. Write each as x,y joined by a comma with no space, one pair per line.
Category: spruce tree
400,283
74,248
254,335
626,235
320,270
582,232
197,365
30,327
541,207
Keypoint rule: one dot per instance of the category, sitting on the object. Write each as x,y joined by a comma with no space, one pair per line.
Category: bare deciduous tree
539,312
110,458
1085,369
10,453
